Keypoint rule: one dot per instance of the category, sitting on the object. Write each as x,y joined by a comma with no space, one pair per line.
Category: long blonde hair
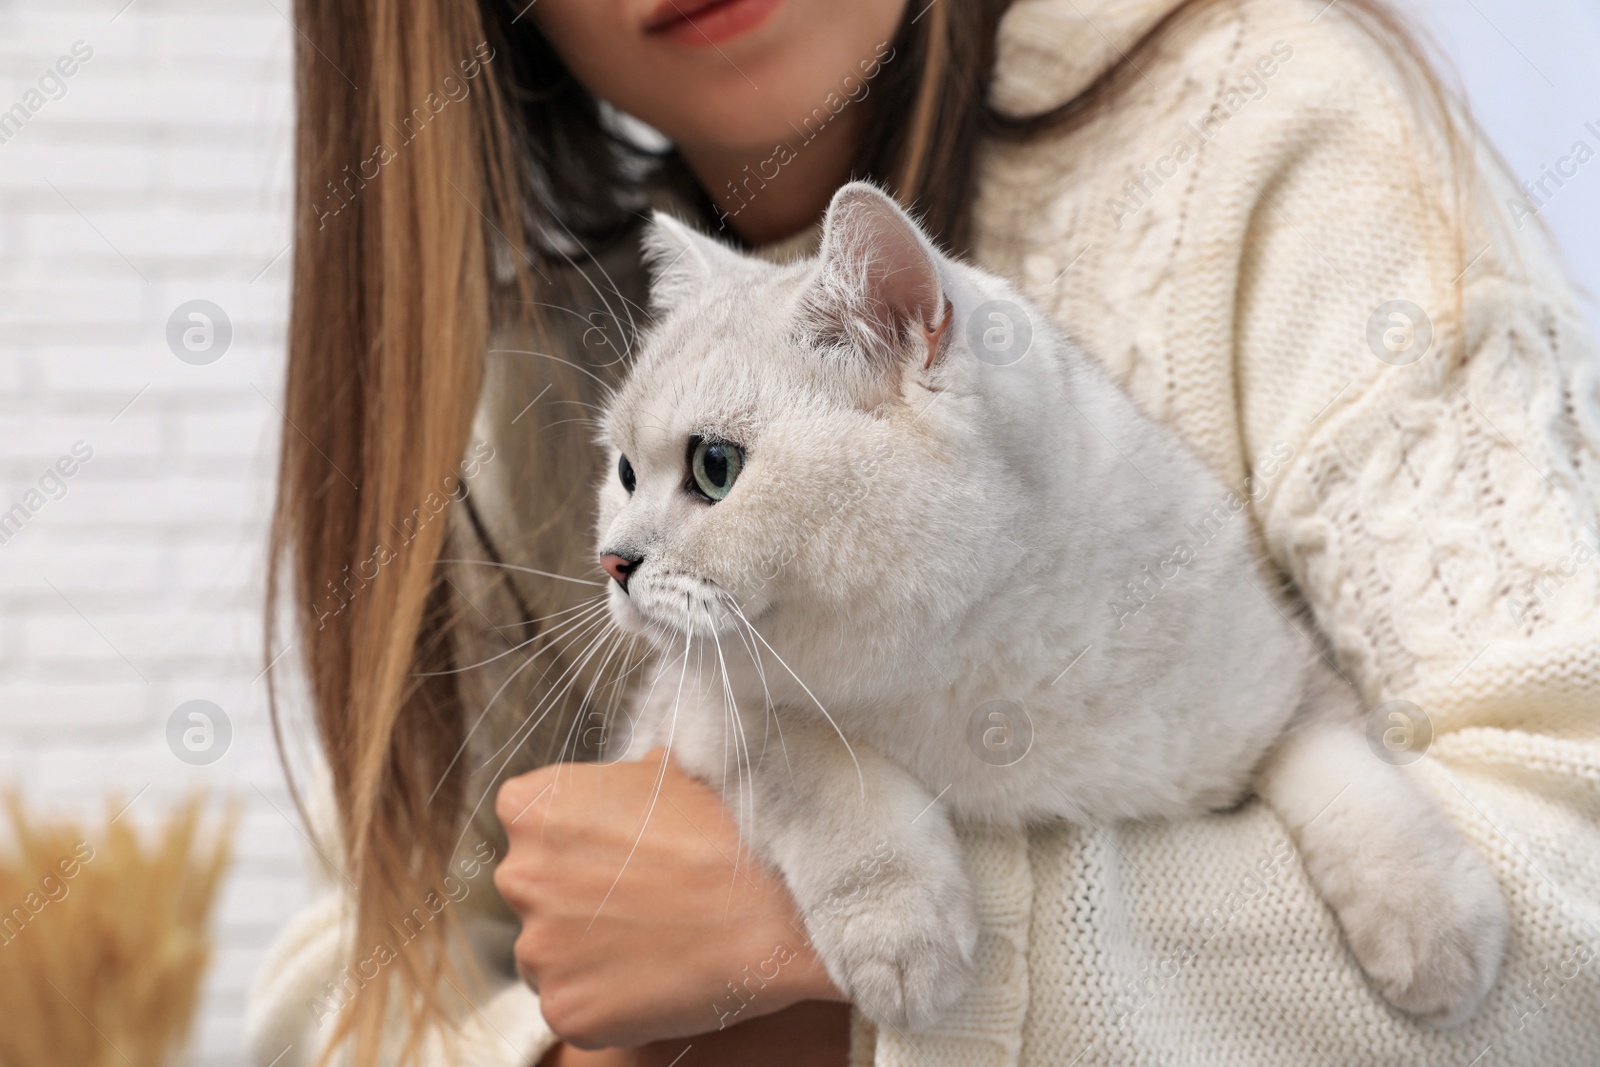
391,314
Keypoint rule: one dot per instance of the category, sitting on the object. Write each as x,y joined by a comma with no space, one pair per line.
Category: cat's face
762,450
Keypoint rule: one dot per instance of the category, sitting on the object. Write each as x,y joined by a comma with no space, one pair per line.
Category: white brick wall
173,143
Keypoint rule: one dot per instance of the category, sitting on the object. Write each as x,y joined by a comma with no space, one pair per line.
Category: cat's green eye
714,465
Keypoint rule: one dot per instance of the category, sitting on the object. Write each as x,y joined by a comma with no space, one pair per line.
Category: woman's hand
632,935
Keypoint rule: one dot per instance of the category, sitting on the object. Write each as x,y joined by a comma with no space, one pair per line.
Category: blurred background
155,176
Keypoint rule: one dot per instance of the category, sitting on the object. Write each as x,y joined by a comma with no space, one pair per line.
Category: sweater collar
1049,51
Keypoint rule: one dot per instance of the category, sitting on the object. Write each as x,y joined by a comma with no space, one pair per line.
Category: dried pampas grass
103,937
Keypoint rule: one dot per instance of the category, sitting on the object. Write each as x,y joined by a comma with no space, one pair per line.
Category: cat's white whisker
584,709
587,607
598,408
606,640
567,422
655,793
589,321
553,696
616,709
743,774
597,637
585,621
593,632
861,781
632,329
730,711
771,719
609,716
554,358
525,570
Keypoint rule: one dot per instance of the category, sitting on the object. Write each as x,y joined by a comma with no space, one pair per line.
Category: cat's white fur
917,532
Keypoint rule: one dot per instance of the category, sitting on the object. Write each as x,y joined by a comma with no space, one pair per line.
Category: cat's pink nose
619,567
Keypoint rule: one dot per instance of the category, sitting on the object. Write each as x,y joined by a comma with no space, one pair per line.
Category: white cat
849,530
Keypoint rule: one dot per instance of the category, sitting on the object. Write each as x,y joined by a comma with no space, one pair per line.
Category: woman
1261,215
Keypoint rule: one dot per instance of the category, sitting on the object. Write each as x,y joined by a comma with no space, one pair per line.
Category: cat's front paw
901,950
1433,945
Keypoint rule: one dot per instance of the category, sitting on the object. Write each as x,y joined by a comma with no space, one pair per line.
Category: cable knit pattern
1438,517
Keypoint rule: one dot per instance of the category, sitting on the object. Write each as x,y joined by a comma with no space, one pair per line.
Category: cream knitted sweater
1226,239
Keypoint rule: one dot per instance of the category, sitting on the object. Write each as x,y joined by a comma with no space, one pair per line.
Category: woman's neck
764,194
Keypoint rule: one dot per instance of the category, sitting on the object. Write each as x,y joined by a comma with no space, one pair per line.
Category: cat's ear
877,287
682,261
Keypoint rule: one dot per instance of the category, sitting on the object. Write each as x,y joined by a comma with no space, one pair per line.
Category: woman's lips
705,23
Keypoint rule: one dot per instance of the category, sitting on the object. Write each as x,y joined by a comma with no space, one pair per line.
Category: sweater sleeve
310,975
1439,513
